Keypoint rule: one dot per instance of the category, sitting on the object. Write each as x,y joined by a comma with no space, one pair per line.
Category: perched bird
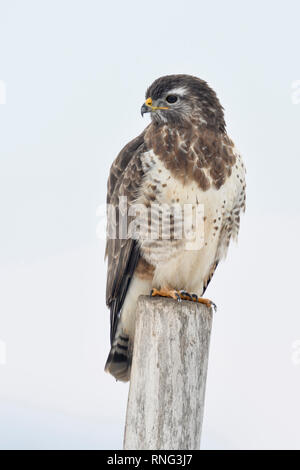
183,157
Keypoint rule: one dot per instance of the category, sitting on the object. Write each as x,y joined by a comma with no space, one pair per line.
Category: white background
75,75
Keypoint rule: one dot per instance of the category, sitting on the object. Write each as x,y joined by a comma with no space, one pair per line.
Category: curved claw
186,295
182,295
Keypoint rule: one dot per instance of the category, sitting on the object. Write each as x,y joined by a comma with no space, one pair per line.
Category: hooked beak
145,109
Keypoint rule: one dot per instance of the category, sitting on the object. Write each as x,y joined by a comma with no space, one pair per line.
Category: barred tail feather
118,362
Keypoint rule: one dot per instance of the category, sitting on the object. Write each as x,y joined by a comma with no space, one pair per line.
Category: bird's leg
181,295
166,292
194,298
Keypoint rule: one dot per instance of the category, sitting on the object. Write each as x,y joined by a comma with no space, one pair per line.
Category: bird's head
175,99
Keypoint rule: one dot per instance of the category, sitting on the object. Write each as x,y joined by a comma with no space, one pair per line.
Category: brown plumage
183,157
122,254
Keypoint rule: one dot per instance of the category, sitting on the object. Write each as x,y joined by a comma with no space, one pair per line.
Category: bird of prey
184,156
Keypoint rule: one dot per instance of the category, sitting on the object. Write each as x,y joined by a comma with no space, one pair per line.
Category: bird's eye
171,98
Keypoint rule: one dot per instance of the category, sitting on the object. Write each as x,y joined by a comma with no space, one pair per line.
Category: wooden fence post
168,375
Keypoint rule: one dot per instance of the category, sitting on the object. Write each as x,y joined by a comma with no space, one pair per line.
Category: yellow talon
181,295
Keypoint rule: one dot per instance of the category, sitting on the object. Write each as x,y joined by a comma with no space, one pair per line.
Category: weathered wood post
169,368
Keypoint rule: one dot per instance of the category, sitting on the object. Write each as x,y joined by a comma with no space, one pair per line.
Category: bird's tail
118,362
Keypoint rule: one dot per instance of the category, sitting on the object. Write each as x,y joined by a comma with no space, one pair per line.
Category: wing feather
122,254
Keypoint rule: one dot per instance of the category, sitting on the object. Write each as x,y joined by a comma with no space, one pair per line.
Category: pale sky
75,75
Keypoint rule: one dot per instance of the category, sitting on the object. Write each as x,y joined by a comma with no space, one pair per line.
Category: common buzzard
184,157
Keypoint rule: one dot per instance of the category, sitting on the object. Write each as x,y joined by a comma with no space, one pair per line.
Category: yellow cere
148,102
